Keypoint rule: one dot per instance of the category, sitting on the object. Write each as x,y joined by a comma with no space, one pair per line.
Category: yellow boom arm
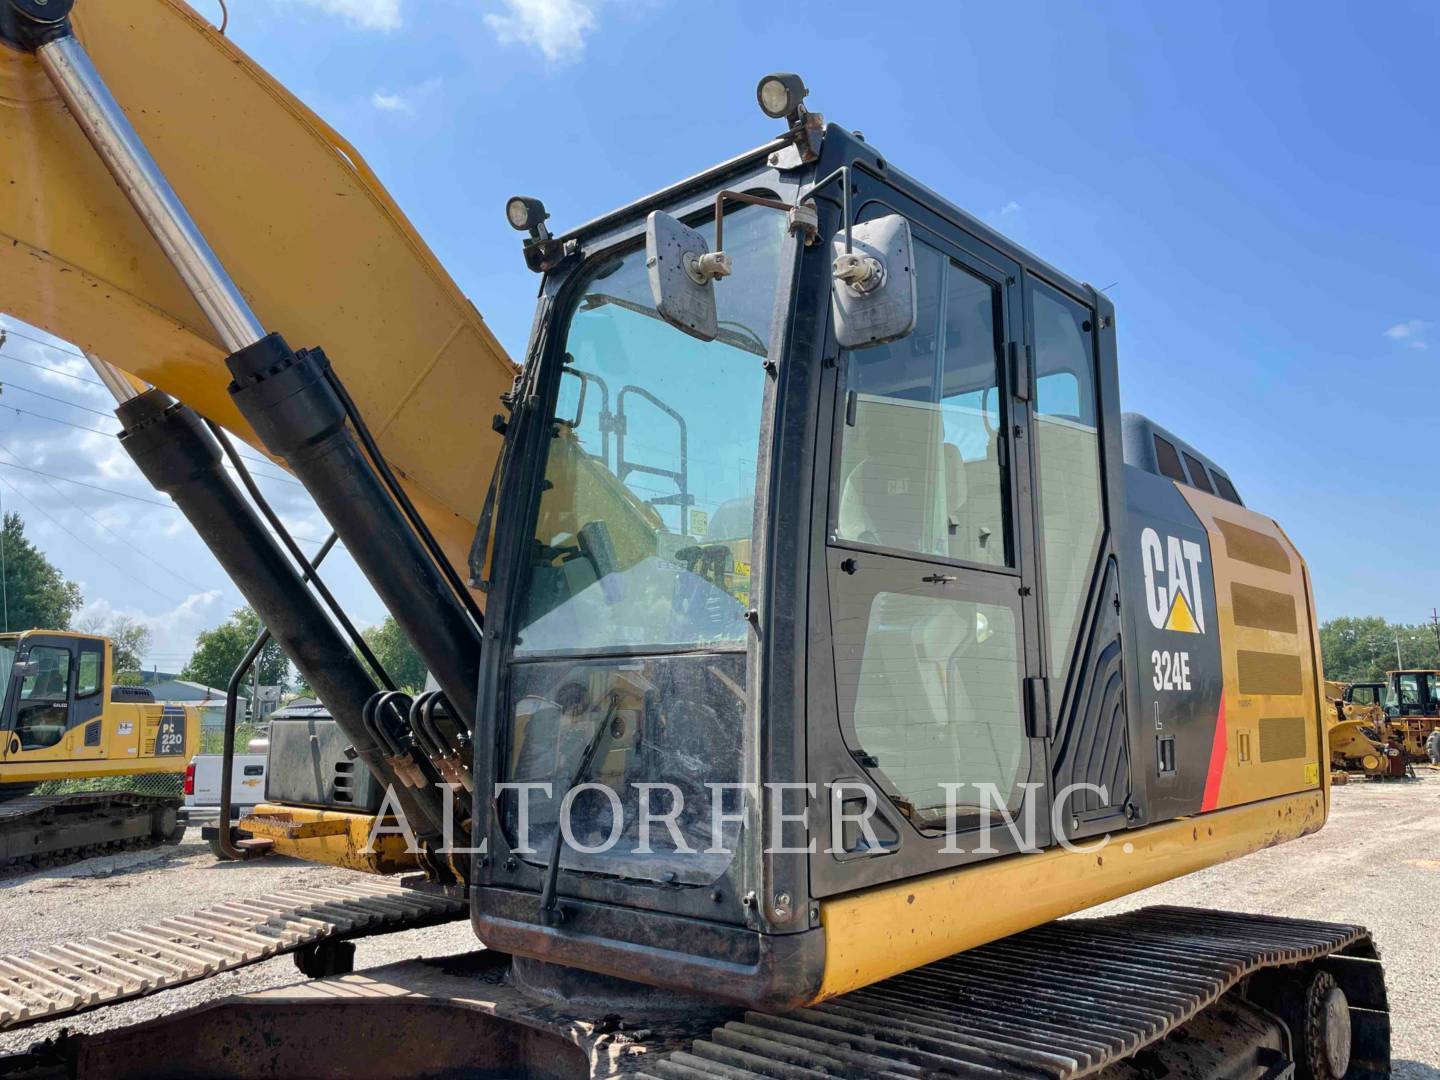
315,243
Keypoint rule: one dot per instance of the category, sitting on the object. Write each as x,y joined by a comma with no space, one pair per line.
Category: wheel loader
1360,737
1412,712
810,629
63,718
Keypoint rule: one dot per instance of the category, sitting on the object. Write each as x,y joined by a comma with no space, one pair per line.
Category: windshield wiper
551,914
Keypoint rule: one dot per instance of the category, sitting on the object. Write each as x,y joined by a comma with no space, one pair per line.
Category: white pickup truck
202,785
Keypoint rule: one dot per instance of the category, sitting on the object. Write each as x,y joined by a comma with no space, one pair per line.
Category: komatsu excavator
63,717
839,634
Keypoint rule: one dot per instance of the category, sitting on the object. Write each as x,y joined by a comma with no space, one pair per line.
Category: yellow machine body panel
59,722
318,247
1271,735
331,837
885,931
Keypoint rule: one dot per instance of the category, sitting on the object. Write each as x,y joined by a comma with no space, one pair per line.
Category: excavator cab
805,582
54,694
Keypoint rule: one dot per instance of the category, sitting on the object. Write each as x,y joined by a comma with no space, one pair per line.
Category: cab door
38,708
938,685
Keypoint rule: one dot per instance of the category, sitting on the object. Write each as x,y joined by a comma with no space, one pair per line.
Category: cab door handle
938,579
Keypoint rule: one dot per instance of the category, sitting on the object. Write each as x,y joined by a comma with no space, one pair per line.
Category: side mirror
873,293
682,274
23,668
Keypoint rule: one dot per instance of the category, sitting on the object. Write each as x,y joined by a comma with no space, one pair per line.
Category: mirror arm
843,174
739,196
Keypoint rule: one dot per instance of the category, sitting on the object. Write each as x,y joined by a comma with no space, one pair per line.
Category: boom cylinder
288,399
171,447
286,396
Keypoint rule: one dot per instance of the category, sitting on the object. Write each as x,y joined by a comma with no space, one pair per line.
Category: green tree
1363,649
218,652
395,653
129,641
33,593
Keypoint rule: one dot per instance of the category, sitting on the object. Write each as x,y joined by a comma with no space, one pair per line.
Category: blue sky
1260,181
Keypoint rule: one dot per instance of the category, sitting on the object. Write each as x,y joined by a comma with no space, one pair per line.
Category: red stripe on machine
1217,762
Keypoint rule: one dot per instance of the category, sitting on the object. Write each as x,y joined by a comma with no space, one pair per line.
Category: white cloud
366,14
172,633
556,27
406,99
1011,207
1410,333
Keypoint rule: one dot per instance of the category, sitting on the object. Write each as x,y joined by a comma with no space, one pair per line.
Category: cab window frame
1008,321
88,649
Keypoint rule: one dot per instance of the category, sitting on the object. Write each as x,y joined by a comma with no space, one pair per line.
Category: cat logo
1172,583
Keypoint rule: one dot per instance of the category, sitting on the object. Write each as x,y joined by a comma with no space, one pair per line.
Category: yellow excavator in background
64,719
963,650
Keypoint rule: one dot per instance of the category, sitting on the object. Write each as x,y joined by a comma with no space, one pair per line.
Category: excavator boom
320,249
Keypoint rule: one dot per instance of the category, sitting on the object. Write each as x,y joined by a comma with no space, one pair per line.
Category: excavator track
57,980
41,831
1069,999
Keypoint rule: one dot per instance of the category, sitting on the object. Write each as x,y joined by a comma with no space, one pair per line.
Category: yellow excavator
63,719
809,628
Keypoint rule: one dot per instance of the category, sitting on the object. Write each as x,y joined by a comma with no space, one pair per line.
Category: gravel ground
1377,862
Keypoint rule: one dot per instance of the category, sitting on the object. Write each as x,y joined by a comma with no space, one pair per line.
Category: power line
100,555
48,367
45,344
97,412
52,397
139,551
93,487
98,431
122,494
57,420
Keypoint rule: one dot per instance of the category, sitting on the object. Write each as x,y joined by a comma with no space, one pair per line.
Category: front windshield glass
1409,696
643,545
644,533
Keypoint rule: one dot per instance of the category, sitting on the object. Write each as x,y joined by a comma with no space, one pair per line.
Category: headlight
524,213
780,94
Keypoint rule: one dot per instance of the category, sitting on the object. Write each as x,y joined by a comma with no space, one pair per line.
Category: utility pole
1399,661
1435,626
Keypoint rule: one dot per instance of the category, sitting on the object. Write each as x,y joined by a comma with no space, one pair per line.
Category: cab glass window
920,456
43,708
88,675
1197,473
1225,489
1067,446
643,535
1409,695
1168,459
932,685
